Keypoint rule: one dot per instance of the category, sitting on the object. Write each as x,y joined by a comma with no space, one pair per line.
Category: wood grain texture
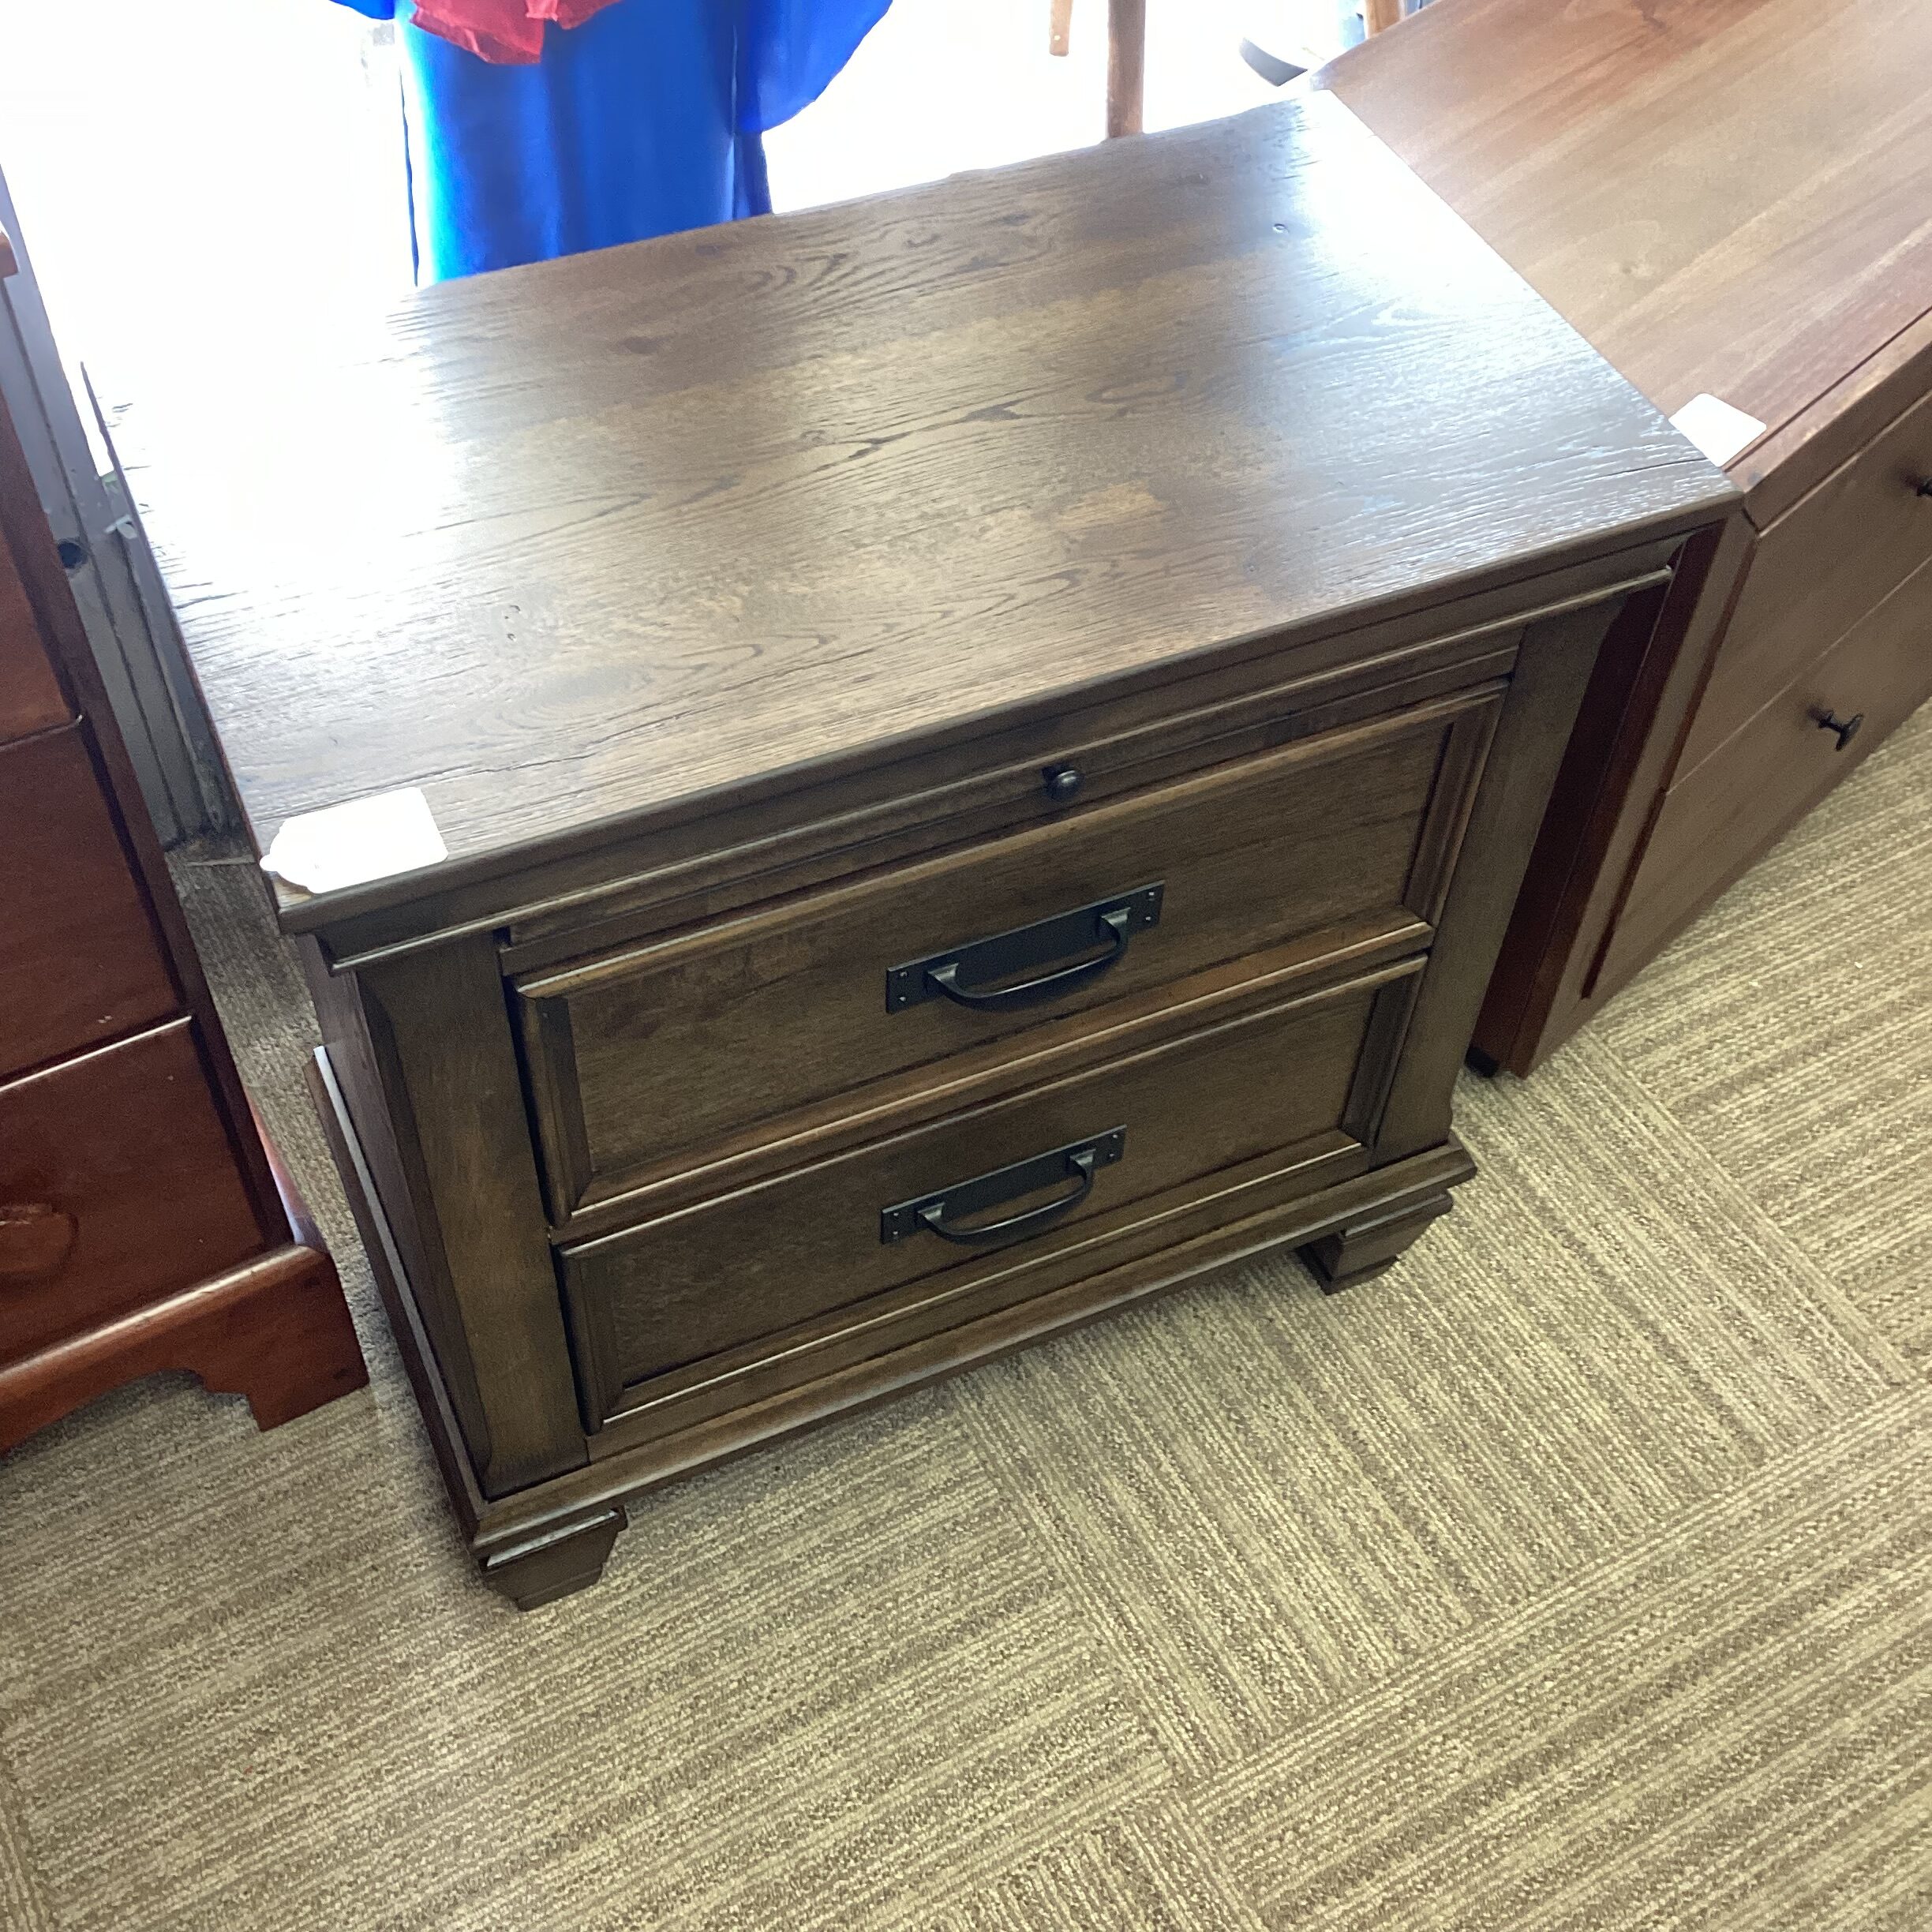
432,1381
127,1141
35,1239
602,539
1778,469
555,1564
977,1077
674,1429
668,1047
736,599
1186,1245
80,962
142,1226
1730,196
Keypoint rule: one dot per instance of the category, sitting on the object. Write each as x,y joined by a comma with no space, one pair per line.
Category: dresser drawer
1713,823
1815,572
117,1185
79,962
648,1056
1298,1082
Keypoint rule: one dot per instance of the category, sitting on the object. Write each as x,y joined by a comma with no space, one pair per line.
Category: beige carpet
1577,1575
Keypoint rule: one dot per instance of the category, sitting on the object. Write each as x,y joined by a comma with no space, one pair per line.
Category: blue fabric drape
644,120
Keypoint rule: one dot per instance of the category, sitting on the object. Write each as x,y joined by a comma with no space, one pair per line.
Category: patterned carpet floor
1577,1574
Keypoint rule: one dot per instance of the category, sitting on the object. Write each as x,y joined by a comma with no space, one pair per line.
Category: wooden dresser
1729,198
985,741
142,1224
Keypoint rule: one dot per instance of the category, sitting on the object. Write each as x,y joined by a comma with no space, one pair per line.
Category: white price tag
1720,430
370,838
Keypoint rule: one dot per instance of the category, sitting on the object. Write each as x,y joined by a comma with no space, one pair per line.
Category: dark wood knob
1925,489
1063,782
36,1240
1847,728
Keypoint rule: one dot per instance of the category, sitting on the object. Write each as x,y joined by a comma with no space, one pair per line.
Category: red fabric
509,32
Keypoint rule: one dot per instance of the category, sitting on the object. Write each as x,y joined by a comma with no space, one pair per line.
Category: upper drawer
30,695
117,1184
80,961
1837,554
694,1043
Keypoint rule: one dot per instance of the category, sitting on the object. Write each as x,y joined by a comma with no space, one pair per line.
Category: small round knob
1925,489
1847,728
1063,782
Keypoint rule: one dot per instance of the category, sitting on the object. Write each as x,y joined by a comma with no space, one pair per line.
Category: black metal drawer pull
942,1214
1845,729
969,975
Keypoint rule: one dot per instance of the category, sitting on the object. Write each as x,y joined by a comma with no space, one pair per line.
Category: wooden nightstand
985,740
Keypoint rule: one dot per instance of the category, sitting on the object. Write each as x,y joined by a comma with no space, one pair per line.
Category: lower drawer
1716,820
118,1186
881,1225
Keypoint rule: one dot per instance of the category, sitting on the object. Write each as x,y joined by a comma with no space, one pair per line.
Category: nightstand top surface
594,544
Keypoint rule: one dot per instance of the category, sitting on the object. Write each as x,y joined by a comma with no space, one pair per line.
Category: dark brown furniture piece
143,1225
1732,198
1126,58
985,740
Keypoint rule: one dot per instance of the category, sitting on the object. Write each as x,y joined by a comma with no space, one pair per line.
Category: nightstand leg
546,1568
1364,1249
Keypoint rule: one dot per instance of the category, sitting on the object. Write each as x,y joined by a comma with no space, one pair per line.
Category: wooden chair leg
1059,26
1379,14
1126,65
